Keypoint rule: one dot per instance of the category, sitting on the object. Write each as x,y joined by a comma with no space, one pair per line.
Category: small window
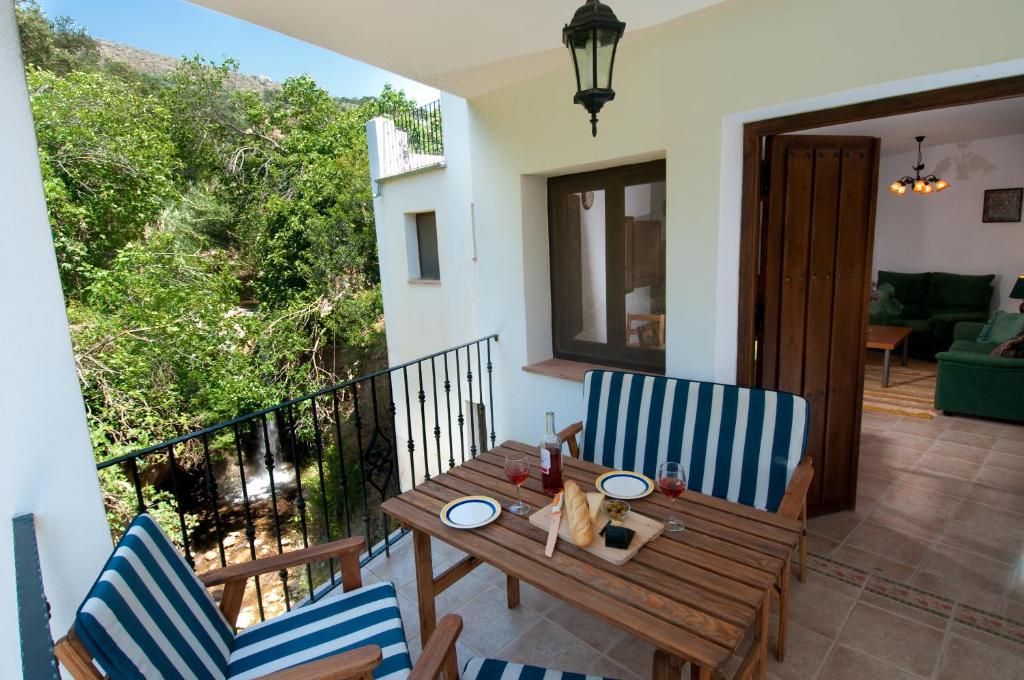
426,247
607,237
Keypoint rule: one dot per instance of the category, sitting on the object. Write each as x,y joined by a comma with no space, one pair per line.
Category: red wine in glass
672,487
517,469
672,483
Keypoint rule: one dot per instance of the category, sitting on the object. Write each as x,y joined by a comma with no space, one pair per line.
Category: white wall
46,451
684,91
944,231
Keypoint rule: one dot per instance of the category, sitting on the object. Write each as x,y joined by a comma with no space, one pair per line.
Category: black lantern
592,37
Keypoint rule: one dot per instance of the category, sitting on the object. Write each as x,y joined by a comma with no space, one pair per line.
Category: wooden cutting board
646,530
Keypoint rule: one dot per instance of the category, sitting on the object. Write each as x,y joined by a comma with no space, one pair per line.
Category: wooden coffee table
888,338
693,595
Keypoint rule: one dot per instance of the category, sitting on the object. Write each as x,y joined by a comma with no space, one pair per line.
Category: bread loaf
578,512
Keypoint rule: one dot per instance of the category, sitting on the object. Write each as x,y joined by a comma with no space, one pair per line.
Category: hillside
155,64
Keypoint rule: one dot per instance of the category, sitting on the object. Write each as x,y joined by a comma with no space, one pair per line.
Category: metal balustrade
318,467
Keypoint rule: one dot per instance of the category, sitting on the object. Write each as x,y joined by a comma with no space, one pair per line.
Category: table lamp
1018,291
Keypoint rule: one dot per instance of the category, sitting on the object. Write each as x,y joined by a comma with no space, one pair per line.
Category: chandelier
920,185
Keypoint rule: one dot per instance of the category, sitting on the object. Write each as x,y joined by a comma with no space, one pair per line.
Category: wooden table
693,595
889,338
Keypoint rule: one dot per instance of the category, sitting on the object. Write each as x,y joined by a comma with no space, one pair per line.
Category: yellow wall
675,86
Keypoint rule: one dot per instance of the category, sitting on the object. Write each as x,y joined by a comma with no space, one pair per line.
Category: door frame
754,135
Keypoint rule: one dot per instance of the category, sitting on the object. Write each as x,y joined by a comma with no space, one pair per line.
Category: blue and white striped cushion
148,616
361,617
736,443
491,669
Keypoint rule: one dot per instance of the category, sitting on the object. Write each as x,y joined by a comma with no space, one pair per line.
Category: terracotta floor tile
848,664
872,487
817,608
981,516
895,545
980,441
917,428
606,668
805,651
982,540
969,569
1014,610
907,644
1013,432
947,465
937,621
872,563
593,631
1008,499
633,653
820,545
489,624
938,483
548,644
1009,446
939,585
909,519
909,441
919,500
988,427
996,642
966,659
1005,461
959,451
836,526
1001,479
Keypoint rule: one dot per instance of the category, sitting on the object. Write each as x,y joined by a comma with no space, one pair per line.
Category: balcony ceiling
466,47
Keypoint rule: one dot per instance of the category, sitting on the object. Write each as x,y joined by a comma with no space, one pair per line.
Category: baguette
578,512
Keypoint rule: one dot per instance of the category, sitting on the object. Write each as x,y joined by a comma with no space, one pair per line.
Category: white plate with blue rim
470,512
624,485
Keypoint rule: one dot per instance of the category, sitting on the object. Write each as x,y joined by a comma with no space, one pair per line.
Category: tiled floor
923,580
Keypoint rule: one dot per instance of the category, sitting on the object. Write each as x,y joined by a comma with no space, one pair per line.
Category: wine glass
672,483
517,469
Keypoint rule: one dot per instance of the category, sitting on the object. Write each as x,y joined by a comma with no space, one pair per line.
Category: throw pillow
1011,349
883,302
1001,327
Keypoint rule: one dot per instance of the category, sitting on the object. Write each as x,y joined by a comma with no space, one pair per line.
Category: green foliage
216,246
107,163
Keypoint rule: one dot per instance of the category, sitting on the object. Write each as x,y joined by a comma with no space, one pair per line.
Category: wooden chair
149,615
650,332
704,426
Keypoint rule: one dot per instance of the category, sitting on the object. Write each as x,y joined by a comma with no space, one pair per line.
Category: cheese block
594,501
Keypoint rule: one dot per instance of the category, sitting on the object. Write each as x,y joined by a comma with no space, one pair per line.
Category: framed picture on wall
1002,205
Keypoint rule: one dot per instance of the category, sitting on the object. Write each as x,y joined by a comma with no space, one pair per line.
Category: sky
177,28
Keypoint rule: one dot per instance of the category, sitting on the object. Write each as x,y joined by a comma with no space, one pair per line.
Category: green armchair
973,383
933,303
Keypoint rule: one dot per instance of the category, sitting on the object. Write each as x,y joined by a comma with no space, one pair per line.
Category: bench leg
803,543
780,651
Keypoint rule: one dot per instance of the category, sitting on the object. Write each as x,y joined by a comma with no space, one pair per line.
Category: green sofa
933,303
973,383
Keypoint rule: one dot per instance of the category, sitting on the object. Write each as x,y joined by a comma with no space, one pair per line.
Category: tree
59,45
107,163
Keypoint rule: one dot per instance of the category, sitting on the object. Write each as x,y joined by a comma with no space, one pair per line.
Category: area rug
911,390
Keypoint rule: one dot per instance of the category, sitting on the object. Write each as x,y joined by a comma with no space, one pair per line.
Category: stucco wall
683,92
944,232
46,453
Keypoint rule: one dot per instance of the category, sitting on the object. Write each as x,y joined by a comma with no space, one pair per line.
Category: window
426,248
607,232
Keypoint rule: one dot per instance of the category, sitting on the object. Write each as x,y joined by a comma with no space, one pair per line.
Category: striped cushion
490,669
365,616
736,443
148,616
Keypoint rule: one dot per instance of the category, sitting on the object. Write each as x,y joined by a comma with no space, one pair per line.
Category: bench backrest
149,616
737,443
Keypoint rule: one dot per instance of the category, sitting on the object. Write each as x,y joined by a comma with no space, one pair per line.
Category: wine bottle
551,458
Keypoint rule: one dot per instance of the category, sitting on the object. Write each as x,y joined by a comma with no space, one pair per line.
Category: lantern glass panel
583,51
605,53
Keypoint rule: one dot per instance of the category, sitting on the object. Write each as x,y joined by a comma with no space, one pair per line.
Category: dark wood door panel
815,252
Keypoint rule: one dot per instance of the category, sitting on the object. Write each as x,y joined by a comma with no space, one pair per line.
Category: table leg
885,368
512,591
424,584
670,667
906,350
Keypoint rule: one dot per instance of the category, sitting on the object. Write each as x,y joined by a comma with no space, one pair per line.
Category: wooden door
814,277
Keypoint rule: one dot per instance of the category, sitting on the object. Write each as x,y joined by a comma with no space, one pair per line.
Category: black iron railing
317,467
415,141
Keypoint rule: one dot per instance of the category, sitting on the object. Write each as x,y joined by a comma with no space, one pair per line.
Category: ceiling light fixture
919,184
592,38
